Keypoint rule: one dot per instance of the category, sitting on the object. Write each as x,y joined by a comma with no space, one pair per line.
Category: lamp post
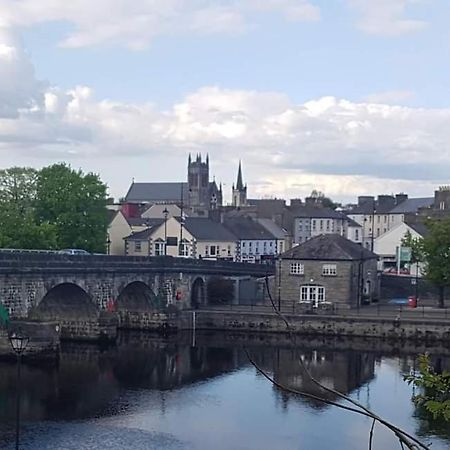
279,282
18,343
166,213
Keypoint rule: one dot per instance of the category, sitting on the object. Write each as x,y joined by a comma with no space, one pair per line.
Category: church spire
239,183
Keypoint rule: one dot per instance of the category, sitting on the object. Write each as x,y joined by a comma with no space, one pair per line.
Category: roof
207,230
419,228
308,211
143,221
273,228
141,235
333,247
247,228
412,205
156,192
353,223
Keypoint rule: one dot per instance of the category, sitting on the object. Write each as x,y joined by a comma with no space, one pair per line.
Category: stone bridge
79,291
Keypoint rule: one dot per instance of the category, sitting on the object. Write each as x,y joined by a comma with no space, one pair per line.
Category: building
310,221
198,196
121,226
194,237
254,243
387,245
327,269
239,192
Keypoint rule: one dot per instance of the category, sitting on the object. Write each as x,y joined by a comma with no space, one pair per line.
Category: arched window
159,247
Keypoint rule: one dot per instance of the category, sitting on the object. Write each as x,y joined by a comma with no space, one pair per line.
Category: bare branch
371,434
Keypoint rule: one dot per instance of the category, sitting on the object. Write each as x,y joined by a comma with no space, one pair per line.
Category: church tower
198,186
239,191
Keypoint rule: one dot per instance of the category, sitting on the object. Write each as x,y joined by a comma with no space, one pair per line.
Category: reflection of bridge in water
89,382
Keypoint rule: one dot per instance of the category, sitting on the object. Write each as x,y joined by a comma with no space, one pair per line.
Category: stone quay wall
422,329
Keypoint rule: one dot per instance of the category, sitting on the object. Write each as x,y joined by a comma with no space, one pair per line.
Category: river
186,392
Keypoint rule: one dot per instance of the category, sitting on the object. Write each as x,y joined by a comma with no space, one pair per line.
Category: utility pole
181,247
373,225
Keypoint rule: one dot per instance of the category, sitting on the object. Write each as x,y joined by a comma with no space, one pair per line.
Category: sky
349,97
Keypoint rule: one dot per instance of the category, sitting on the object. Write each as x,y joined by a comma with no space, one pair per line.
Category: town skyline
342,96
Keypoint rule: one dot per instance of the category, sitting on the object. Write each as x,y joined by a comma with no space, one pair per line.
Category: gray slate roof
412,205
352,223
273,228
143,221
207,230
420,228
245,228
307,211
329,247
156,192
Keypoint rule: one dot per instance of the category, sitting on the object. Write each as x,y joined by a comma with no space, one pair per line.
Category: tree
320,197
416,246
435,395
75,204
18,227
436,251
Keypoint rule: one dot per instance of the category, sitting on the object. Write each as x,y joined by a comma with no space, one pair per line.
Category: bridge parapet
14,262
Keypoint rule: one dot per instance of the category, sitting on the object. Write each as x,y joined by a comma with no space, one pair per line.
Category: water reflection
146,377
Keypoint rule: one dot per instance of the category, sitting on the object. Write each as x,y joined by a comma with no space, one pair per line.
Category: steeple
239,183
207,159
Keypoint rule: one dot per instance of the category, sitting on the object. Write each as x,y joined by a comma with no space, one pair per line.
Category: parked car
73,251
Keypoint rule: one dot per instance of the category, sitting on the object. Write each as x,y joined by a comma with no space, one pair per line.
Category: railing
370,311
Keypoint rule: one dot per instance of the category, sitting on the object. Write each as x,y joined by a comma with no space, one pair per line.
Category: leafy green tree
18,187
322,199
416,246
18,227
434,397
436,252
75,203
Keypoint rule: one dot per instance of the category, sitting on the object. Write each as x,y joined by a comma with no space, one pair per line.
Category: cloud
135,23
18,87
386,17
390,97
334,144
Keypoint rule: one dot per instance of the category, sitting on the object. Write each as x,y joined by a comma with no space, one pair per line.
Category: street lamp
166,213
18,342
108,245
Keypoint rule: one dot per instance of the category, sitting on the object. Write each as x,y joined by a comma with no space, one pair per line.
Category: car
73,251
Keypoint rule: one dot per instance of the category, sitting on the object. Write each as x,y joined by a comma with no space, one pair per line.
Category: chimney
400,198
386,201
130,210
296,202
365,199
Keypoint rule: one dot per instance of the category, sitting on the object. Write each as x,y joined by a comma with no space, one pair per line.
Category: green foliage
75,204
436,251
56,207
416,246
321,198
435,389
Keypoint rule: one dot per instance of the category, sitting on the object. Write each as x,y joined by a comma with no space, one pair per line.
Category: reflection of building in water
342,371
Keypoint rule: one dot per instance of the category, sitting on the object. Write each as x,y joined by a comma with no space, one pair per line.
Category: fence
375,310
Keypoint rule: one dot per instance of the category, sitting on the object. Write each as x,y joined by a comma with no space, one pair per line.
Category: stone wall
414,329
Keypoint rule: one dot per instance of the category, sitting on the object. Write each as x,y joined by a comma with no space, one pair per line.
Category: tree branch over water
404,438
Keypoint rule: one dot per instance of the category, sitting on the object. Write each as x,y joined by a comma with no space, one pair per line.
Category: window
314,225
356,234
213,250
206,250
300,225
297,268
137,246
159,247
229,250
385,219
312,293
184,248
328,225
329,270
321,225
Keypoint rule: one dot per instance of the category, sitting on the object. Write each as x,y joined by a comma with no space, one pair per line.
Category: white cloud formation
18,86
386,17
339,146
135,23
390,97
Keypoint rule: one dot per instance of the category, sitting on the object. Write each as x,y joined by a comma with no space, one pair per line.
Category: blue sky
348,96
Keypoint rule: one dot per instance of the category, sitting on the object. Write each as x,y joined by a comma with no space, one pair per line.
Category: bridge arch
198,293
136,296
66,301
